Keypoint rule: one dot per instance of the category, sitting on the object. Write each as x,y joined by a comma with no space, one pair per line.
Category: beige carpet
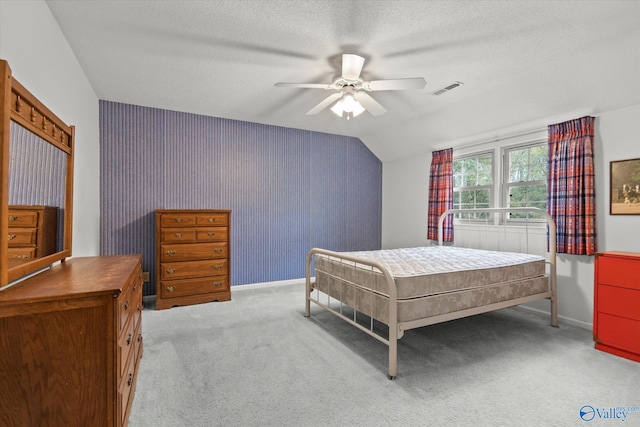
256,361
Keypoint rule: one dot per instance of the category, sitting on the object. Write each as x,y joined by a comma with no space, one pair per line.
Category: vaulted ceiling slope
521,62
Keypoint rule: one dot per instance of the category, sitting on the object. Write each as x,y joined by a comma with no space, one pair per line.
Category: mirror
37,183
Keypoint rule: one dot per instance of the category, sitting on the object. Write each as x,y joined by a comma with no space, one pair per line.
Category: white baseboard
561,319
263,285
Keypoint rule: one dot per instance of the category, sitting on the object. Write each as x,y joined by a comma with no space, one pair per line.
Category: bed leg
307,301
554,312
393,357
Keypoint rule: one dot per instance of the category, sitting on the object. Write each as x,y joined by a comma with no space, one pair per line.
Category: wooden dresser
192,257
32,231
70,344
616,313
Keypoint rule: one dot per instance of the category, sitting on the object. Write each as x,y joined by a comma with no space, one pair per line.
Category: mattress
432,270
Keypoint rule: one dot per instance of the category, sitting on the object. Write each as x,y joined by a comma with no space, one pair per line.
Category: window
519,178
473,184
525,178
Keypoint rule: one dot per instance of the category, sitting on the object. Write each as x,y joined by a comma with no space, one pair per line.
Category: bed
414,287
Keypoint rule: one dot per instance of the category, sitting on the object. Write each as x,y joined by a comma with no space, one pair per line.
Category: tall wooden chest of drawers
193,257
71,343
616,313
32,231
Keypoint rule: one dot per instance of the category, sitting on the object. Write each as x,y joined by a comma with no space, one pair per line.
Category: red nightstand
616,312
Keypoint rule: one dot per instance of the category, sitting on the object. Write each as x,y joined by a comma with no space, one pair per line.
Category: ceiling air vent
447,88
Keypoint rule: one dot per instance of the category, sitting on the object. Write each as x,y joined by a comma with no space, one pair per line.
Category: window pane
537,194
485,171
518,165
517,196
470,172
457,181
483,197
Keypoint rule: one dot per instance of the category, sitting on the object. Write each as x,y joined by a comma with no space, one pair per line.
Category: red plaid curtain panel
440,194
570,185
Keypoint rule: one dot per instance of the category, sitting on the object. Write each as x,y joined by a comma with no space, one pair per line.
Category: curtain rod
495,139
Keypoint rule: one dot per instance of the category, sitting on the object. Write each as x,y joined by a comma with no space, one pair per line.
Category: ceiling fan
351,97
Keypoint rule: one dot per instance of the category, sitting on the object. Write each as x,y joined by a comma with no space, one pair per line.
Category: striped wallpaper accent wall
37,170
288,189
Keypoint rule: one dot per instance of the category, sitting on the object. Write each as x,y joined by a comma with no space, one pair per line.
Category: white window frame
491,187
500,173
505,185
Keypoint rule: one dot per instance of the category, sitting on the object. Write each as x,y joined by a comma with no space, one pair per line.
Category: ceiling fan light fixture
348,102
338,108
357,109
349,105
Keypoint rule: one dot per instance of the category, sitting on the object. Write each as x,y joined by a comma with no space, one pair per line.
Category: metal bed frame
397,329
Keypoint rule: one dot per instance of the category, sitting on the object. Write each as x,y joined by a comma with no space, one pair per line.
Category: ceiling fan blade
324,104
395,84
305,85
371,105
351,66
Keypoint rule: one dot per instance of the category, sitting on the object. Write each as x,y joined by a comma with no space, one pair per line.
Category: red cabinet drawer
618,271
620,302
619,332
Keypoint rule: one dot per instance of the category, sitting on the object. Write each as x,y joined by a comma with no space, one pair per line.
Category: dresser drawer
621,302
138,345
178,235
188,269
125,393
211,219
618,271
177,220
126,343
125,308
193,251
22,218
22,236
138,307
212,234
186,287
619,332
22,253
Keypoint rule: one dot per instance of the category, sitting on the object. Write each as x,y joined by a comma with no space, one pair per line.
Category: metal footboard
392,342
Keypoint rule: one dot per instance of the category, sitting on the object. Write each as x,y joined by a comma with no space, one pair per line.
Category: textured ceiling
521,62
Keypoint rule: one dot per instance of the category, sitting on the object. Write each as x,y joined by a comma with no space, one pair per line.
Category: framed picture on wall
625,187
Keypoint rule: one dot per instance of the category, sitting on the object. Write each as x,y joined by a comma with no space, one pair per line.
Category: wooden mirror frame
22,107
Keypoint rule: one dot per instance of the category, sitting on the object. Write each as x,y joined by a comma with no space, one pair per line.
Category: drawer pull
139,337
12,236
219,267
135,287
211,233
171,288
218,250
129,339
179,235
130,380
20,257
178,219
140,306
211,219
170,270
126,306
13,218
171,253
217,284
